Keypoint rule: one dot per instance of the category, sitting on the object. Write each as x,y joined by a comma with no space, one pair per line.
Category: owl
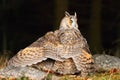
63,51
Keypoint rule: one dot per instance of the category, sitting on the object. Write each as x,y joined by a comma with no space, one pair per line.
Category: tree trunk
95,25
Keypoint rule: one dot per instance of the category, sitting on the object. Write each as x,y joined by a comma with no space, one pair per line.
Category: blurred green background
24,21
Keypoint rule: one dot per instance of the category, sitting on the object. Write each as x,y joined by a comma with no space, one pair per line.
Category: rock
106,62
18,72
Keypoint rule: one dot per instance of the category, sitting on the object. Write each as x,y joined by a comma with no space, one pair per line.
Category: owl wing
84,62
30,55
38,51
86,46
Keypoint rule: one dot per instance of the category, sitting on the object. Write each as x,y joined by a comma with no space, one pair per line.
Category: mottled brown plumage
64,51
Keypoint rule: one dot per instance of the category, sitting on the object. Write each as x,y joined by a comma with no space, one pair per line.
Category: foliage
3,60
113,74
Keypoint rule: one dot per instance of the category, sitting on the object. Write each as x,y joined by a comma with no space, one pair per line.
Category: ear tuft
67,14
75,14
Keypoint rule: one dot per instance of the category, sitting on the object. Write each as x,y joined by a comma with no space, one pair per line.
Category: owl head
69,21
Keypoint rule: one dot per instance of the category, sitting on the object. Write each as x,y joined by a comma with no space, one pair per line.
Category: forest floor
108,75
110,70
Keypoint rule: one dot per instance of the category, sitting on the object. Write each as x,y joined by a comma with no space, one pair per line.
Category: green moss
49,77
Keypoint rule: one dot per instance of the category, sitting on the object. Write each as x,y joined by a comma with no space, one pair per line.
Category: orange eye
71,21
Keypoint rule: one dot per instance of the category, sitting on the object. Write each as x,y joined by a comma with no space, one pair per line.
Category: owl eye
71,21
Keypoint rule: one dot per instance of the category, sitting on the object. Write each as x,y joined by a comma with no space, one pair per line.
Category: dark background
24,21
